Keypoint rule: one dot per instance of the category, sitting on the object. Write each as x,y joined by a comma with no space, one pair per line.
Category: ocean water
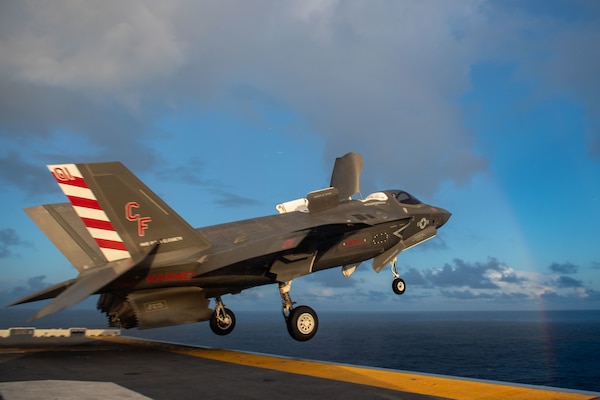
555,348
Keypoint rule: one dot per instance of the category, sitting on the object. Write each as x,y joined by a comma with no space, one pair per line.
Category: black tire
398,286
302,323
223,328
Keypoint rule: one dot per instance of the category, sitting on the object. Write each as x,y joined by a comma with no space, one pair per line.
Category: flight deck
78,363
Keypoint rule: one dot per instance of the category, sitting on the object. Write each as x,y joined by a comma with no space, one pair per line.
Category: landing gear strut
302,322
222,321
398,284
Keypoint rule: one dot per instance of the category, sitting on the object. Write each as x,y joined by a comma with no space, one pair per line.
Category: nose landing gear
302,322
398,284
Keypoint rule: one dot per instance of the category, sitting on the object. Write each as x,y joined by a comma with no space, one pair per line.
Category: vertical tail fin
123,216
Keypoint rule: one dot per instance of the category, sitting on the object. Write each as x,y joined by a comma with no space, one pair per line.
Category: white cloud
380,78
103,47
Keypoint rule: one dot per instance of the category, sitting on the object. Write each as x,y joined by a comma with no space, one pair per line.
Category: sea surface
553,348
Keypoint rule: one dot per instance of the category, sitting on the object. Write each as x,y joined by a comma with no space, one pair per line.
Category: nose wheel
302,321
398,284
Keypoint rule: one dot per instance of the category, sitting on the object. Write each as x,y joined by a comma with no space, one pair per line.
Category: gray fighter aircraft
152,269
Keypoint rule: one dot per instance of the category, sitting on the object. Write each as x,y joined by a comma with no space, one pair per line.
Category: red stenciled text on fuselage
170,276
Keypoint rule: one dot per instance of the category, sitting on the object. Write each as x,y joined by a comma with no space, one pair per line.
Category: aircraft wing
251,249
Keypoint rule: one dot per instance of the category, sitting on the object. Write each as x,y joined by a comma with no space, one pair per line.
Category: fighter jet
152,269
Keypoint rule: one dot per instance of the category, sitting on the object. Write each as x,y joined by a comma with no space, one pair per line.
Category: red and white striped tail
86,205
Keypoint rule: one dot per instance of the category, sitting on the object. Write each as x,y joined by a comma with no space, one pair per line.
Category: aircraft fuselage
358,230
152,269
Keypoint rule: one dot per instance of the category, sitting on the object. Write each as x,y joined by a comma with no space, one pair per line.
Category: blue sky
488,109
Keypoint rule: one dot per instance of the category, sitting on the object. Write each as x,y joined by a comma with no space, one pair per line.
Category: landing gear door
293,266
380,261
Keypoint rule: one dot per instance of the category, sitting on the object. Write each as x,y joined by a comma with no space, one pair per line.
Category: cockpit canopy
400,195
405,197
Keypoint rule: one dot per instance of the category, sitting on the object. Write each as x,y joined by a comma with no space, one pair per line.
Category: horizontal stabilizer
44,294
64,228
89,282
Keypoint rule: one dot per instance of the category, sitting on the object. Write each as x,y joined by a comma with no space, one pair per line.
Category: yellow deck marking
387,379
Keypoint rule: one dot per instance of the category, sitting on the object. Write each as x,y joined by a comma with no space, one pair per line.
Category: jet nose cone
442,217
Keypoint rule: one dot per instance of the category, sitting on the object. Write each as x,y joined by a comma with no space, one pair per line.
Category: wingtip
42,313
33,317
50,308
16,302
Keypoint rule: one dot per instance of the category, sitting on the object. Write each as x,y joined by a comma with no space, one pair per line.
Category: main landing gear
302,322
222,321
398,284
